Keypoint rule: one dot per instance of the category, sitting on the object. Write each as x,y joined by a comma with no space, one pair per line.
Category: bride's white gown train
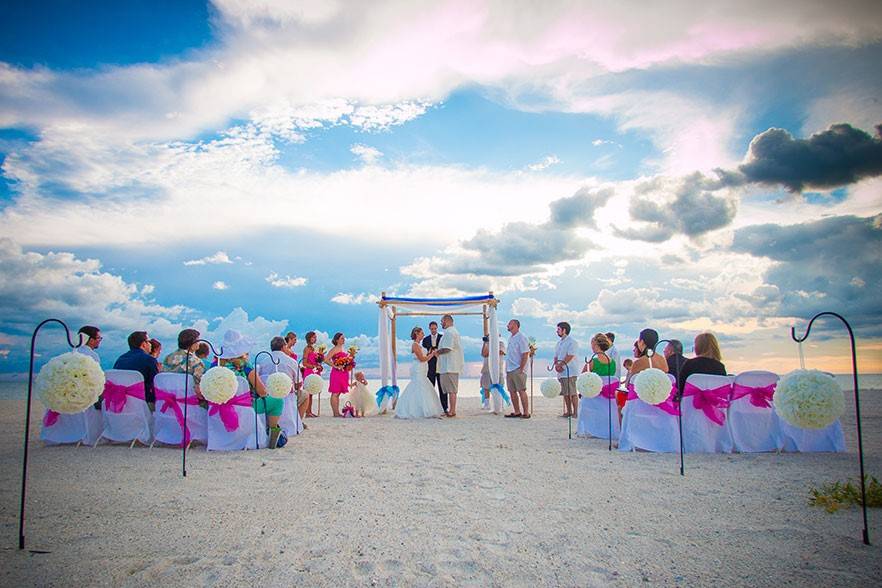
419,399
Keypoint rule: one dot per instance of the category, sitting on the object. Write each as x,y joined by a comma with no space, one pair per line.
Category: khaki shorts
516,381
449,383
568,386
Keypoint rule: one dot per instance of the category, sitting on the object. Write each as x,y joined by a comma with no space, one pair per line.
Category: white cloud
218,258
368,155
220,285
361,298
546,162
287,282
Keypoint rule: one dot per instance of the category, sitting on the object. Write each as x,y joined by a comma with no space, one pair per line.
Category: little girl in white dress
362,400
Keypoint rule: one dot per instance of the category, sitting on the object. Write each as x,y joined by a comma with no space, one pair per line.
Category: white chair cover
135,421
167,427
700,433
243,437
648,427
811,440
84,427
753,428
594,418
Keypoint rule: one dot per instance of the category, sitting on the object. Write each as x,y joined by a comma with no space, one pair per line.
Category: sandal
513,415
525,416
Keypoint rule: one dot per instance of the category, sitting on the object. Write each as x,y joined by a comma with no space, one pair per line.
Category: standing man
451,363
613,353
566,364
138,358
92,336
430,343
516,370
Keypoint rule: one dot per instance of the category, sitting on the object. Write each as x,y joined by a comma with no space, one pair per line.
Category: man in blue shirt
138,358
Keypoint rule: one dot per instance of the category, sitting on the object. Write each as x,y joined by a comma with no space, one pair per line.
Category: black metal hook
254,393
217,355
679,398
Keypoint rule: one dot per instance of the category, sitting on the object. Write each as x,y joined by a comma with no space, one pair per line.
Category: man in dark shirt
138,358
674,357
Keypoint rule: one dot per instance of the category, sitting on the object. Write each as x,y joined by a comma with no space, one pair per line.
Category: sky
270,166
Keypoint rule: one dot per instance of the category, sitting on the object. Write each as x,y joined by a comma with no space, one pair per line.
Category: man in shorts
566,364
516,370
450,362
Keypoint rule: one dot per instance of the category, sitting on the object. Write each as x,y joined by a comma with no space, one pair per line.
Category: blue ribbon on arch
382,393
502,393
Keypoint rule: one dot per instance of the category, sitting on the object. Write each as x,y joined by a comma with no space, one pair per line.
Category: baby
359,395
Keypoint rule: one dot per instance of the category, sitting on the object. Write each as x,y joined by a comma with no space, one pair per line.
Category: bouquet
278,385
319,356
532,344
218,384
70,383
343,362
353,349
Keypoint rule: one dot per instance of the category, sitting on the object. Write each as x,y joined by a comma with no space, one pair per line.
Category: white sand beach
477,500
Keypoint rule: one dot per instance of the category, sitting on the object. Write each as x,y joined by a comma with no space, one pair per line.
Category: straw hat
234,345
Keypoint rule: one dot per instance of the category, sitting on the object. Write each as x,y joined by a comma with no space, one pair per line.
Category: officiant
430,343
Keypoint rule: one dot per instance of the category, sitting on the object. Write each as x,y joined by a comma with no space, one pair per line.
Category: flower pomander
809,399
589,384
550,388
313,384
69,383
219,384
278,385
652,385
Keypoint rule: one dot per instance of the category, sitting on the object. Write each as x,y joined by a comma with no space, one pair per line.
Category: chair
595,413
829,439
169,415
83,427
752,421
231,426
704,405
125,412
649,427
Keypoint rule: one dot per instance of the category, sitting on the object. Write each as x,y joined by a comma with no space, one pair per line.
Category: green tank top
603,369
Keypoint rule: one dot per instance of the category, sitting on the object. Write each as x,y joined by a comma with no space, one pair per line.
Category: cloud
546,162
368,155
287,282
839,156
347,298
220,285
218,258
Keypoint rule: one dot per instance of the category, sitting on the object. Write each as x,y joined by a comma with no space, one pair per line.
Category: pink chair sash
170,401
669,405
609,390
115,395
50,418
712,402
760,397
228,415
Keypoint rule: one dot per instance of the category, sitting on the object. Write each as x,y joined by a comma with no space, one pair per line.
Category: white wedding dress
419,399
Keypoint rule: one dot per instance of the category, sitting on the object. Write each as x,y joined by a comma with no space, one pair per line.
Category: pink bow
115,395
668,406
609,390
759,397
170,401
712,402
228,415
50,418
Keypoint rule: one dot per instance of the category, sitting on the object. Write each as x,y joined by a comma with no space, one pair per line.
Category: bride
419,399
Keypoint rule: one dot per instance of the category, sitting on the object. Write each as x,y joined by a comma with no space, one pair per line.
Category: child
362,400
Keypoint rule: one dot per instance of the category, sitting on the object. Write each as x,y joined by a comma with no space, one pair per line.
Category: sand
477,501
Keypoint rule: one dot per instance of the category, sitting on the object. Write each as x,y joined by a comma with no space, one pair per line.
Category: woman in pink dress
311,364
339,377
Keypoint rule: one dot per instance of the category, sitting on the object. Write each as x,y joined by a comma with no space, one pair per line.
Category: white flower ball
550,388
809,399
653,386
313,384
589,384
278,385
69,383
219,384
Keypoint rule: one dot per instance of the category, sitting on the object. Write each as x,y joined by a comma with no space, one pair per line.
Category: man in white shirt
450,362
287,365
92,340
566,364
516,370
613,353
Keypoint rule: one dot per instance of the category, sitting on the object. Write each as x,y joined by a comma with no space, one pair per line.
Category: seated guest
287,365
155,350
176,361
138,358
202,354
674,357
603,364
706,361
645,356
91,340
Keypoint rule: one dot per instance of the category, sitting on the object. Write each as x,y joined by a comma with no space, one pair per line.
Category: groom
451,362
430,342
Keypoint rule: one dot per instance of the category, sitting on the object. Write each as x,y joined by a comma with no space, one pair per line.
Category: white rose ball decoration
278,385
652,386
809,399
313,384
550,388
219,384
69,383
589,384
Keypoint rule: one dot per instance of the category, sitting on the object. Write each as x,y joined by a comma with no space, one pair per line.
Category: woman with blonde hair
706,361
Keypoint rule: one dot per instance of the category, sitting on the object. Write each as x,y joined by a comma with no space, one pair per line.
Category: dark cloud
578,210
833,264
836,157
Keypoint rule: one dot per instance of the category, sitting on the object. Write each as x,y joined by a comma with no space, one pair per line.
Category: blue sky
270,166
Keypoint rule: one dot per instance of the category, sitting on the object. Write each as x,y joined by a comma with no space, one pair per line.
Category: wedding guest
621,395
362,400
602,363
92,340
566,364
674,357
430,343
287,366
202,354
339,377
290,342
176,361
311,364
138,358
451,363
707,360
516,370
646,358
613,352
486,382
